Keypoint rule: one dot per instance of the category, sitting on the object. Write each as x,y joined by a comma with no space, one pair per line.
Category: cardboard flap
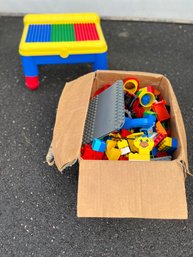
70,120
139,190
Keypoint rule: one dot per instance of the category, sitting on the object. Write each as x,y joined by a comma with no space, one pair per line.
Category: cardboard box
140,189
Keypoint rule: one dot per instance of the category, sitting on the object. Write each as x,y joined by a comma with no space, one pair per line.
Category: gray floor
37,204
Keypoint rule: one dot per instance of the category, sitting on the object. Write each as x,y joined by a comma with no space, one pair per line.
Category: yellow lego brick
165,144
122,144
147,109
134,135
113,154
115,136
110,144
138,157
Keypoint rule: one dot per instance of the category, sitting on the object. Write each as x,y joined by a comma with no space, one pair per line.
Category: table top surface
62,34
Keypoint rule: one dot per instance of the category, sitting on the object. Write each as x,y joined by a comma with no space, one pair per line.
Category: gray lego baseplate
106,113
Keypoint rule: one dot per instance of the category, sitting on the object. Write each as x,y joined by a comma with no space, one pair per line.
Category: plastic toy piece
124,147
138,123
154,151
129,100
160,129
137,109
131,139
158,139
32,82
113,153
125,150
89,154
131,85
110,144
147,131
149,114
161,154
164,158
144,146
105,113
153,136
115,136
146,98
124,133
156,92
123,158
160,109
168,145
105,157
61,38
98,145
100,90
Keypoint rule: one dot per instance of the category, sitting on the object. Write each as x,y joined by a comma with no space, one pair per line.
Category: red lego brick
89,154
139,111
160,109
105,157
124,133
150,89
123,158
161,154
158,139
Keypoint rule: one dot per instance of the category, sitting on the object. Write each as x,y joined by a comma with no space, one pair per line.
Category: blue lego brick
173,147
154,151
98,145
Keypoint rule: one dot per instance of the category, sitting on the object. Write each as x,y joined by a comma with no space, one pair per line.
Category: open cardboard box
139,189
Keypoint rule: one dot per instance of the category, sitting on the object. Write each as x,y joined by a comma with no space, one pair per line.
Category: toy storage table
61,38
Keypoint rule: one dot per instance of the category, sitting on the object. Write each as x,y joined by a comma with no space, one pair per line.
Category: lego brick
98,145
89,154
139,157
160,129
164,158
160,109
113,154
110,144
154,151
105,113
124,133
158,139
122,144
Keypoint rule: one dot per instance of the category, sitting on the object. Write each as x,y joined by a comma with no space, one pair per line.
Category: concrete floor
37,204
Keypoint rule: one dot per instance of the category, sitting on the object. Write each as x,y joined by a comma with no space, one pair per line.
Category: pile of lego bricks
145,134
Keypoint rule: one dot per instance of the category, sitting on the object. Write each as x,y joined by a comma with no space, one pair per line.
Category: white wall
173,10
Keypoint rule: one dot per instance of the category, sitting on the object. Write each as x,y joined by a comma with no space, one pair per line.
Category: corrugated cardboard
120,188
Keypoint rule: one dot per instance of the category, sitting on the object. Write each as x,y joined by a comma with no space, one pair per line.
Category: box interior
161,83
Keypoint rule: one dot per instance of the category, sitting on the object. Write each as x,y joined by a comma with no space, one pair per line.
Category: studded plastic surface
38,33
105,113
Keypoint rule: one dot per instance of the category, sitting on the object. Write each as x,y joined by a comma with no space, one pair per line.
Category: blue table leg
100,62
30,69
